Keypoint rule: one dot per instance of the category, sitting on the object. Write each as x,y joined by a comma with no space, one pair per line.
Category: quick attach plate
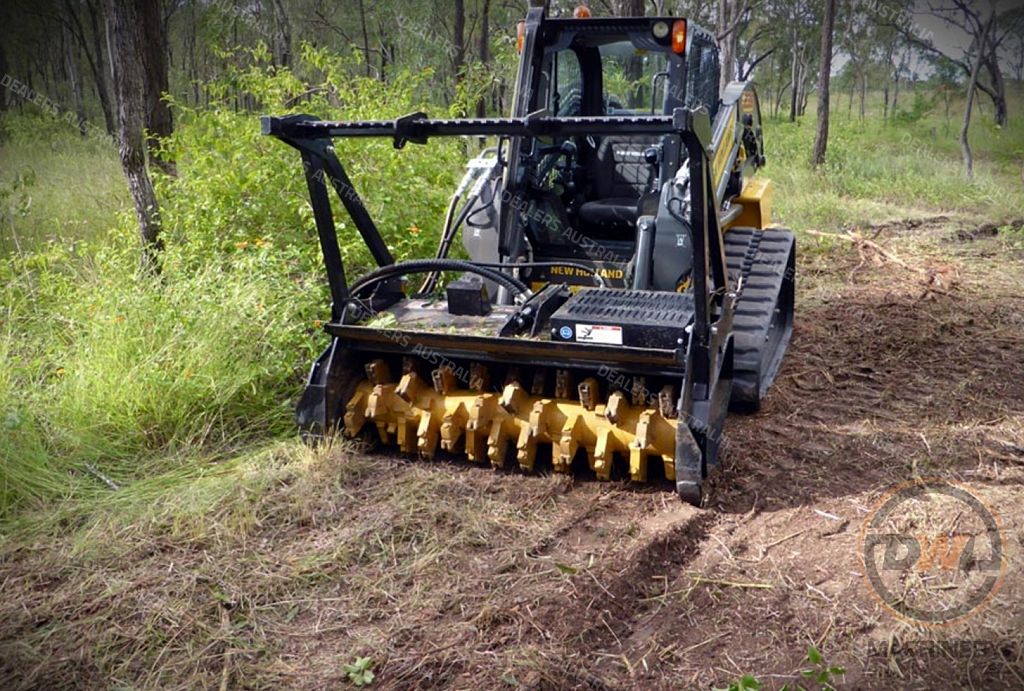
637,318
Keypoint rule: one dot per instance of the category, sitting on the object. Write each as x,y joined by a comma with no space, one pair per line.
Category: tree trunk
127,52
965,145
283,35
190,52
158,121
484,51
93,57
4,69
726,42
366,37
794,80
804,91
998,87
459,40
863,93
899,72
74,80
824,82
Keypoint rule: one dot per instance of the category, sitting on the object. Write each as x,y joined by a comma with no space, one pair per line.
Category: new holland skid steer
622,288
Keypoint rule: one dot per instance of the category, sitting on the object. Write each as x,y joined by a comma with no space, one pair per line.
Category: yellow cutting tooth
588,393
563,383
601,459
638,391
667,401
535,430
355,409
405,430
615,412
410,386
377,409
616,405
569,444
452,424
443,379
637,449
479,377
427,434
513,398
637,463
537,386
378,372
497,441
526,448
480,414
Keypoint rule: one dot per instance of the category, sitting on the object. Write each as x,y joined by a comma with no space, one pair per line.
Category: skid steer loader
623,288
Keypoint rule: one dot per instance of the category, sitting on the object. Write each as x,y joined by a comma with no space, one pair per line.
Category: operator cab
587,192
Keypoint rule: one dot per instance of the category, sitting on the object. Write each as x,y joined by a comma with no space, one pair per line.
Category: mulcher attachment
422,414
522,358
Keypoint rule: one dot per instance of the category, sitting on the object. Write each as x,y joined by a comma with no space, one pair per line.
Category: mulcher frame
702,362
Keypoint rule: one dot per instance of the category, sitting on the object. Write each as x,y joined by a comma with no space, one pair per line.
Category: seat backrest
619,167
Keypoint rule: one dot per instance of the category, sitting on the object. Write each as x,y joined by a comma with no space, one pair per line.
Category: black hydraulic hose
542,265
451,227
426,265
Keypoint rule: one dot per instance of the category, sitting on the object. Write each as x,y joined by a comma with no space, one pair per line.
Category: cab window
628,76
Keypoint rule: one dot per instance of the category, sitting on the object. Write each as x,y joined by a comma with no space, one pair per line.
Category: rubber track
760,258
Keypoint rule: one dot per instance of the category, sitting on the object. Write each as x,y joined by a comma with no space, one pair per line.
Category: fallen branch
730,584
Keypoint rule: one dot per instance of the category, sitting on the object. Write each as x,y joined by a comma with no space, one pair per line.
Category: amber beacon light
679,36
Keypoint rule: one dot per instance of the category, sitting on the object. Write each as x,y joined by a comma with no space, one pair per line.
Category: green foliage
745,683
919,109
108,377
238,191
820,674
360,672
874,171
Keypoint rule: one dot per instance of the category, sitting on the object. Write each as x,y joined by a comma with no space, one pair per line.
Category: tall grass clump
110,378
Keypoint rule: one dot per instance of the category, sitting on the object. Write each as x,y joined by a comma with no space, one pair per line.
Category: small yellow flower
241,245
317,323
59,371
415,229
260,242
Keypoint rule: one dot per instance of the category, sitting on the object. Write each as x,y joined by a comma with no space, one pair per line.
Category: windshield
628,75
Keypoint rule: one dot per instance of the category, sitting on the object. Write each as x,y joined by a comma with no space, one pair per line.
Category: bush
237,189
108,377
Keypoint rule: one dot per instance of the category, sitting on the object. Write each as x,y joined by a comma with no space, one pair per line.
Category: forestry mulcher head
622,285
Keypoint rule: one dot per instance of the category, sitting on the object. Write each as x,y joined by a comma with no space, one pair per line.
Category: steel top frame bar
418,128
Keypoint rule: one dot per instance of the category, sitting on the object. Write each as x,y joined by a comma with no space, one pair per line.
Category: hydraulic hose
541,265
427,265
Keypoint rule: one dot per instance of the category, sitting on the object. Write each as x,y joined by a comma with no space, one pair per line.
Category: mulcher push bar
418,128
693,127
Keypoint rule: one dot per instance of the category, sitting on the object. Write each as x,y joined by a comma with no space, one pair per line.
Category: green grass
55,186
876,170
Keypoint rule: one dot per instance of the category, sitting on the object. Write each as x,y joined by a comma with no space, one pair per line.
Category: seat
621,176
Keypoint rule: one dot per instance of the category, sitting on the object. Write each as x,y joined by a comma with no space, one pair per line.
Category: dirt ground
907,361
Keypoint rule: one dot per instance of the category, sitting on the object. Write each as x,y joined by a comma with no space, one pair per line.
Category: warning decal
599,333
